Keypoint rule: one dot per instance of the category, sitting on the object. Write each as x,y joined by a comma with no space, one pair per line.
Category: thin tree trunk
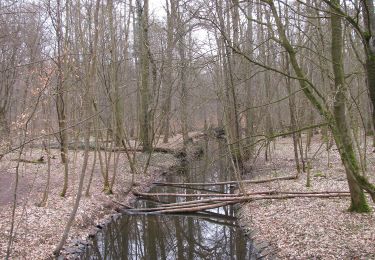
79,193
60,100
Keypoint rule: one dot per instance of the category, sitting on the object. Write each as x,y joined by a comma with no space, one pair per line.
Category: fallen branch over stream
193,209
216,202
224,182
271,192
145,194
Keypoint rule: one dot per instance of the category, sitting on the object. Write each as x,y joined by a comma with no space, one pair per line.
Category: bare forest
99,99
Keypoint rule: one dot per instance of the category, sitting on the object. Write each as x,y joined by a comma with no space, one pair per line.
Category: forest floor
39,229
308,228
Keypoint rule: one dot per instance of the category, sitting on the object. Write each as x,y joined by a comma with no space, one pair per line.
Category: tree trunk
116,96
249,148
343,138
369,41
4,127
183,73
168,72
231,117
293,119
145,125
60,100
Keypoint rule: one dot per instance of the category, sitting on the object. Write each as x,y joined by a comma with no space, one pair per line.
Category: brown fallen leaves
38,229
309,228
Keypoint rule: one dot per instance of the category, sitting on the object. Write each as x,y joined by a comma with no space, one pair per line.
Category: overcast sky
157,8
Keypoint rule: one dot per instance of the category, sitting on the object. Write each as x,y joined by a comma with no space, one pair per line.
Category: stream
210,234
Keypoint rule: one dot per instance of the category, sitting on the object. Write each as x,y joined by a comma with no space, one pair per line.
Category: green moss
107,190
364,182
320,174
363,207
349,154
367,35
369,132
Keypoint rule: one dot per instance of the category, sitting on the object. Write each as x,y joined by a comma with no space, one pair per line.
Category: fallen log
37,161
224,182
195,188
272,192
166,207
239,196
198,205
92,146
299,195
194,202
193,209
310,192
145,194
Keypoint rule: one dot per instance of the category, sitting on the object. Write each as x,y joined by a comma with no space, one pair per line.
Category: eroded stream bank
211,234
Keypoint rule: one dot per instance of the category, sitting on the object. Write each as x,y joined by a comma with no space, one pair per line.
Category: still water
212,234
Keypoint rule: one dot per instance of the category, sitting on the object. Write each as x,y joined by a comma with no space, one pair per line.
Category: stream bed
210,234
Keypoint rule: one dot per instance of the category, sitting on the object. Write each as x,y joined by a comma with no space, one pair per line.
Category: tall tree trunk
145,120
293,119
369,20
343,136
291,100
116,97
232,69
60,100
249,149
231,117
184,70
168,72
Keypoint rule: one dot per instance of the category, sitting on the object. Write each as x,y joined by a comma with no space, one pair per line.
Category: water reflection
210,234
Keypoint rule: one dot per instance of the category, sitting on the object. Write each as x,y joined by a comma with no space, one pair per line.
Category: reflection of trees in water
203,235
172,237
